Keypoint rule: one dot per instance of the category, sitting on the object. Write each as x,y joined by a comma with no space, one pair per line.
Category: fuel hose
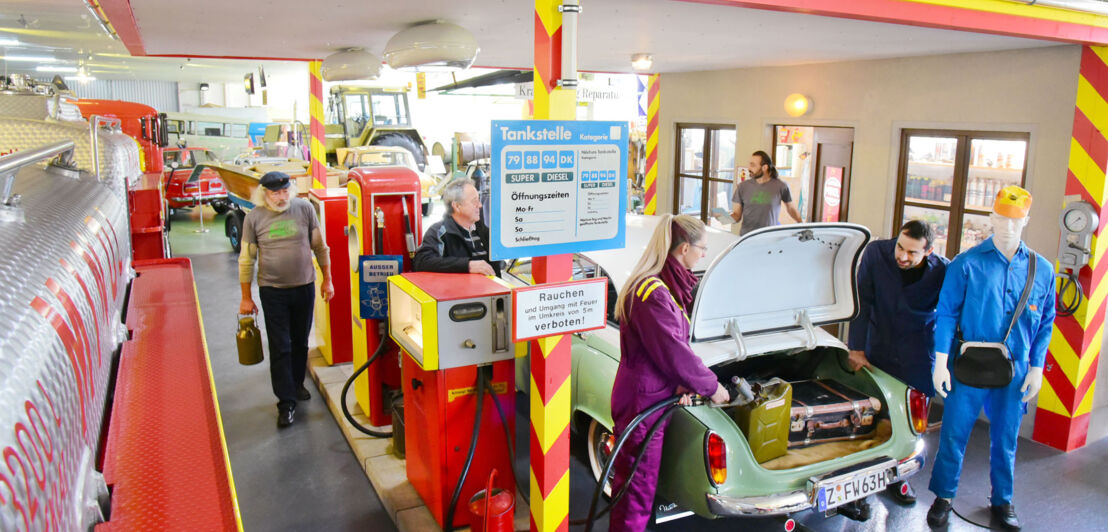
448,521
1069,281
346,389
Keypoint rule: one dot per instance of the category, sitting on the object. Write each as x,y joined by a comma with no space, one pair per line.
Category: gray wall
161,95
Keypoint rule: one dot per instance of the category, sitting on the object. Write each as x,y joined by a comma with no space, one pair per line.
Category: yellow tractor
363,116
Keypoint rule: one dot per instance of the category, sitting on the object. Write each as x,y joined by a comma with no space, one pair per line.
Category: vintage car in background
393,156
186,185
760,312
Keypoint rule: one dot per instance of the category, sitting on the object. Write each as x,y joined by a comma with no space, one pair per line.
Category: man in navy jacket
899,281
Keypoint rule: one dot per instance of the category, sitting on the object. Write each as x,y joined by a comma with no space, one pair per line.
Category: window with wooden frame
950,179
704,169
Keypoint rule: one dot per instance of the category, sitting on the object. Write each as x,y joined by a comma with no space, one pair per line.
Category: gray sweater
282,244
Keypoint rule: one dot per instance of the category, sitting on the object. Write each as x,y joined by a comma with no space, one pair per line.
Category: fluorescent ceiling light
8,42
30,58
80,78
47,68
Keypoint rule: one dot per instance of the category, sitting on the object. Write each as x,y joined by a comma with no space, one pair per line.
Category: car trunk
758,314
827,364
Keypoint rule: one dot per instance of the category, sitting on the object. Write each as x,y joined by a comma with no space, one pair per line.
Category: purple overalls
655,361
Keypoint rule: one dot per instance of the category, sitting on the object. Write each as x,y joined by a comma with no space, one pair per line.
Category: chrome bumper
799,500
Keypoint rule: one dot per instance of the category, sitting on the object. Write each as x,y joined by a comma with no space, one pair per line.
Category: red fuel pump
459,385
383,208
331,317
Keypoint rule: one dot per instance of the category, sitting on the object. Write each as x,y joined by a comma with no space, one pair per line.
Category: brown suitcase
825,410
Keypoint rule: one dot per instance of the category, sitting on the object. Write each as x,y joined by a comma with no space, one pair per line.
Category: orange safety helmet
1013,202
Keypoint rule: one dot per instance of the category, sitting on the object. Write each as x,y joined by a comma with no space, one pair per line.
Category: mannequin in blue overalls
898,287
981,291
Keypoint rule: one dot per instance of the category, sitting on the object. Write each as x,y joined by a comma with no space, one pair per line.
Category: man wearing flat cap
280,234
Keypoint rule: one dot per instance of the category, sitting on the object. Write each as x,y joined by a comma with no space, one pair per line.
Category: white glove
940,376
1031,383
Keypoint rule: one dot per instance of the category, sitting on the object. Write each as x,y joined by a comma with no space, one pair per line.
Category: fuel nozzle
740,391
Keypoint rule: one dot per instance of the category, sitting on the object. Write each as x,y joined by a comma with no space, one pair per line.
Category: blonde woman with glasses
656,360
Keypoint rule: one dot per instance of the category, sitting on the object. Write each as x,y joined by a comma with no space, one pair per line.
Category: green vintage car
761,308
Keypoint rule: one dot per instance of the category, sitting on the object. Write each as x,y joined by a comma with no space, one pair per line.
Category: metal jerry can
249,341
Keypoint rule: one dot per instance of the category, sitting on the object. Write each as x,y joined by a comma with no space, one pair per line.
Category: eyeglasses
701,248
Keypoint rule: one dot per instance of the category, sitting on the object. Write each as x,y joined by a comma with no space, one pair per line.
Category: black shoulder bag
988,364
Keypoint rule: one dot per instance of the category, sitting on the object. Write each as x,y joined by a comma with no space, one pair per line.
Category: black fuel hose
668,402
588,522
509,440
1069,279
448,521
346,389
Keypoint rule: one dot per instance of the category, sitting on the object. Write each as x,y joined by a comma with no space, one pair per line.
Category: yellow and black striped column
650,183
315,127
550,357
1069,376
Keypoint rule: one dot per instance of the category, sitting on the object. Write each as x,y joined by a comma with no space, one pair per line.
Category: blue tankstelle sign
557,187
373,292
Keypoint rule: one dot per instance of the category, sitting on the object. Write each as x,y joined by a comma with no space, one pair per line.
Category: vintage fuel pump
331,316
458,377
383,207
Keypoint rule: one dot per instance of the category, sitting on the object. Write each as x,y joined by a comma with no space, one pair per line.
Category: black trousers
288,322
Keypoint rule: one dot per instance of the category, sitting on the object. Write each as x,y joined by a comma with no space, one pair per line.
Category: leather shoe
858,510
285,415
902,493
939,513
303,394
1005,514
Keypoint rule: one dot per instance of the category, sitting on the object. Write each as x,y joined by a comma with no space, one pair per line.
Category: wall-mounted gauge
1078,222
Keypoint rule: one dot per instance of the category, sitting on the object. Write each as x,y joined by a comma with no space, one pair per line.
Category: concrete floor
306,477
301,478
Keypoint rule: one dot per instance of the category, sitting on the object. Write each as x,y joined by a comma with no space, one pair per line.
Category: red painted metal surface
932,16
438,425
148,238
454,286
166,460
387,188
332,206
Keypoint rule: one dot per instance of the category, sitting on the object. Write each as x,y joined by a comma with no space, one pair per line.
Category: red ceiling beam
194,56
926,15
122,19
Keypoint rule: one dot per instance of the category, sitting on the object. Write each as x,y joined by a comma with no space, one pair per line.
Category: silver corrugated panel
63,277
118,153
161,95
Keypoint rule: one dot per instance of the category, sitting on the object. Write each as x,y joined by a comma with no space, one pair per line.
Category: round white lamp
432,47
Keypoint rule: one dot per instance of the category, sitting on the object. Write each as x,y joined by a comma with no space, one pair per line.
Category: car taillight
918,406
716,456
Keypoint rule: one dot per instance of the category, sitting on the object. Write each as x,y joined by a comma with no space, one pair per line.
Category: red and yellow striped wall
1069,376
550,357
650,182
315,108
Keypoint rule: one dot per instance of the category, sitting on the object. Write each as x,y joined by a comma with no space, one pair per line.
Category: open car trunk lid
776,281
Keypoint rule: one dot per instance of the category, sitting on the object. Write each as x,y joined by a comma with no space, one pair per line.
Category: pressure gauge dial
1079,217
1076,220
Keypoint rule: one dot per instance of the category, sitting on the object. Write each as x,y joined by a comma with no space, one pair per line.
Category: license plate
838,490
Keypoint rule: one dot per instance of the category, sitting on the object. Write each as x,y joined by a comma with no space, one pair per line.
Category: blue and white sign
373,291
557,187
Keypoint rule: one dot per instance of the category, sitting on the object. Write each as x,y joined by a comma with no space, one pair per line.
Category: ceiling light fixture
9,42
30,58
642,62
58,68
351,64
797,104
432,47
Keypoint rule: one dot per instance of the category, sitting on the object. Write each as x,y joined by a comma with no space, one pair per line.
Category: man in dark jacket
460,242
898,287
